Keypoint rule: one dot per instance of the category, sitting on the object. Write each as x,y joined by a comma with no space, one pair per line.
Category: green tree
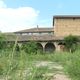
71,42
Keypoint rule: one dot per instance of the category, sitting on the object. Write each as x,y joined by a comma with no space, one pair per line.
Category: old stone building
66,25
49,39
43,36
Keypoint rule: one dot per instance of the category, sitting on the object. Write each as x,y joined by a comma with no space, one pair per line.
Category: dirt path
58,75
55,71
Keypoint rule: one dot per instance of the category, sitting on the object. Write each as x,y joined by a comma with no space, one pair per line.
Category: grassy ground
23,66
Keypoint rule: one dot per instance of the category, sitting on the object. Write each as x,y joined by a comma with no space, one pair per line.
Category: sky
18,15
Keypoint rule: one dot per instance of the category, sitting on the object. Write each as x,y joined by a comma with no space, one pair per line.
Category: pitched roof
66,16
22,38
35,30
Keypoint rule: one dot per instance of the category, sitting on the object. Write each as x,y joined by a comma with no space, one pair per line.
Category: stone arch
61,43
61,46
49,47
40,47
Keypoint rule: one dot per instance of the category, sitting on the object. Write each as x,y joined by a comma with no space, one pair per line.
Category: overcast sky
24,14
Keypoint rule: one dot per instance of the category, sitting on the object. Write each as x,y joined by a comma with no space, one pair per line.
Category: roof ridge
35,29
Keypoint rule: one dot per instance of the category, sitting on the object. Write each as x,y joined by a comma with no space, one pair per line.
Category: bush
29,47
71,42
2,41
10,45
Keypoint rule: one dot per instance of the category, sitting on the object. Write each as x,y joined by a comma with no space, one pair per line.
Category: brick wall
66,26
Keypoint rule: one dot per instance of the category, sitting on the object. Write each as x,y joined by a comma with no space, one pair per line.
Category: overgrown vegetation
22,67
30,47
71,43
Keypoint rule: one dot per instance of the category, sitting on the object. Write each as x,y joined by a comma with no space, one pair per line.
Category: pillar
43,44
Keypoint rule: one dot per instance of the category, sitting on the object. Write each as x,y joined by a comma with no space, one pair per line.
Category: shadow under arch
61,46
61,43
39,46
49,47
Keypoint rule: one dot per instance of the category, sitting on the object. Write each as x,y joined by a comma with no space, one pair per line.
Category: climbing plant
71,42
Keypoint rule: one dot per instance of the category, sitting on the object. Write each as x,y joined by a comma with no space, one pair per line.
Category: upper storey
36,31
66,25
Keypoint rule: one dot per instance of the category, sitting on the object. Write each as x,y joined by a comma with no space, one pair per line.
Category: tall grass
70,62
73,66
13,67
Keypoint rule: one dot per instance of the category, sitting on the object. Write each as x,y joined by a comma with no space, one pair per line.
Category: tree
71,42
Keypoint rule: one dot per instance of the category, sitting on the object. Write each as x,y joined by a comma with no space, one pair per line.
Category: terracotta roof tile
33,37
35,30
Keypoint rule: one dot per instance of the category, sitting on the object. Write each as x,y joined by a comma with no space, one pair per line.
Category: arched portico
49,47
61,46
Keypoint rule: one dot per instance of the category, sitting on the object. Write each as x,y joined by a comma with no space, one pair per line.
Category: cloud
2,4
13,19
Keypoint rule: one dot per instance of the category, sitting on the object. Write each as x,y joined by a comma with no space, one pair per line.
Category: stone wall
66,26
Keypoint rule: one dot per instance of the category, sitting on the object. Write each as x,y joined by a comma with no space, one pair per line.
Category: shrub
10,45
2,41
71,42
30,47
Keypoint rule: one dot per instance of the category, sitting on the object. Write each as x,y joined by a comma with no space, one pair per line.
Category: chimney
37,26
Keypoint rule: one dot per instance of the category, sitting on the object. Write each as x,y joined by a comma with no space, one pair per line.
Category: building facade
66,25
49,39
